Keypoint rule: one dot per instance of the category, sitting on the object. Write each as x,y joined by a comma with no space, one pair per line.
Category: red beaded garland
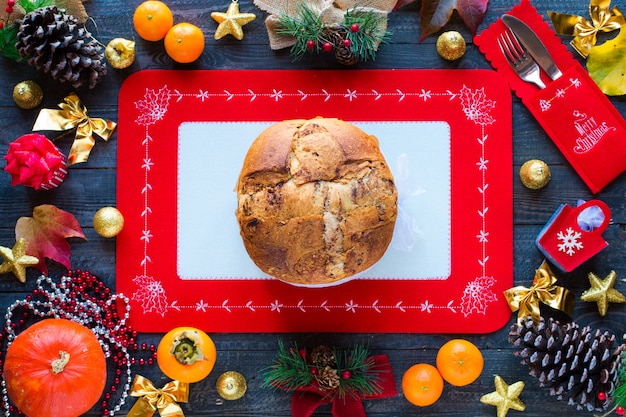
82,297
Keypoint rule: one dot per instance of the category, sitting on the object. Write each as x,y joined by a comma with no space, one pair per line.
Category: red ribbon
306,400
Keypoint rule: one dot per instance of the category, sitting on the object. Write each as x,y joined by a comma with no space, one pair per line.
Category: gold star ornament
505,397
602,292
231,22
16,260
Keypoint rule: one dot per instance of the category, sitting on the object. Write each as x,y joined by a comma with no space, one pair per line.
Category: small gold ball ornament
108,222
231,385
451,45
535,174
120,53
27,94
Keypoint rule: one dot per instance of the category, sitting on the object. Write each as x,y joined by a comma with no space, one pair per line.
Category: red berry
1,25
619,410
346,43
327,47
601,396
9,9
346,374
313,370
354,28
11,3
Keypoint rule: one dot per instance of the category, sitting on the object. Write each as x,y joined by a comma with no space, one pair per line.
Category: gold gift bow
544,290
73,114
584,31
151,399
331,12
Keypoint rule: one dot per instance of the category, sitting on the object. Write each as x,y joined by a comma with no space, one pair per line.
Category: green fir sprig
292,370
310,33
8,32
619,394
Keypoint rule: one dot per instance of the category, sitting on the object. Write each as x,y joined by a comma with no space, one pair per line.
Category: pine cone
328,378
345,56
55,43
573,362
323,356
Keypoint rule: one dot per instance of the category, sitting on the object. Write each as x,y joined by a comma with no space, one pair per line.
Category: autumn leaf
434,14
46,232
606,65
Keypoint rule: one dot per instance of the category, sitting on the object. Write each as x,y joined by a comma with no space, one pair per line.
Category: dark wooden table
91,186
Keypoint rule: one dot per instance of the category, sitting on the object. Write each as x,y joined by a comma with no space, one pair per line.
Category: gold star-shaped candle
505,397
16,260
602,292
231,22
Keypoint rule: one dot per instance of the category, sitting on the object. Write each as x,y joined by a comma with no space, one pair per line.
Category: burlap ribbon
526,300
331,13
584,31
164,400
71,7
73,114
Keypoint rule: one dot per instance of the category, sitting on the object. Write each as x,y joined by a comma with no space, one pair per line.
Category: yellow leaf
606,65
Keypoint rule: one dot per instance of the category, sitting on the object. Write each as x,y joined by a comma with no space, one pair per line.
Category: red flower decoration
34,161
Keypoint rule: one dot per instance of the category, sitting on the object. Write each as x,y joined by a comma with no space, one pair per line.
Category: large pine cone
328,378
54,42
575,363
323,356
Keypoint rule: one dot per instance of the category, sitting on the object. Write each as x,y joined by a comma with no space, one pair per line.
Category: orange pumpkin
55,368
186,354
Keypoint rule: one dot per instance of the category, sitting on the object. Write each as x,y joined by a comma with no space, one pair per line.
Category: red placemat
181,134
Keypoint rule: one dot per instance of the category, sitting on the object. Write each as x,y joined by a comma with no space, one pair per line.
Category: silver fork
518,58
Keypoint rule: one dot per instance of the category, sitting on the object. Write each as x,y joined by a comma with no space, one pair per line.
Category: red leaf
46,232
434,14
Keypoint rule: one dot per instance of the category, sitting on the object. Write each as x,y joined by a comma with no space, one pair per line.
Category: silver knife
535,47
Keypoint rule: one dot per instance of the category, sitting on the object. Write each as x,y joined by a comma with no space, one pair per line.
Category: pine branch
619,395
289,372
8,34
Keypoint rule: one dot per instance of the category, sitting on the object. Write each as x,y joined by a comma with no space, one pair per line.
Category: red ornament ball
354,28
310,45
346,43
327,47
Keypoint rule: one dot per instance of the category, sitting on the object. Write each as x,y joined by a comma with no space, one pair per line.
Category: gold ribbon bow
585,31
544,290
73,114
151,399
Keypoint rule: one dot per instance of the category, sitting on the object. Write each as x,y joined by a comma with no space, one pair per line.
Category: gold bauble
231,385
120,53
535,174
108,222
451,45
27,94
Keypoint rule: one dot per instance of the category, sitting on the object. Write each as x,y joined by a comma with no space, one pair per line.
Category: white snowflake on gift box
570,241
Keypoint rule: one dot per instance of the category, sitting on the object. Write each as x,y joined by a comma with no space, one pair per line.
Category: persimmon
460,362
422,384
186,354
184,42
152,19
54,368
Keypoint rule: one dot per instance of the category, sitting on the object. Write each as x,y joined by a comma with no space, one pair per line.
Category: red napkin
573,111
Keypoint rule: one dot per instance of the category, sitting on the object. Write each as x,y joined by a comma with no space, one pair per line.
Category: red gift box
574,234
574,112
